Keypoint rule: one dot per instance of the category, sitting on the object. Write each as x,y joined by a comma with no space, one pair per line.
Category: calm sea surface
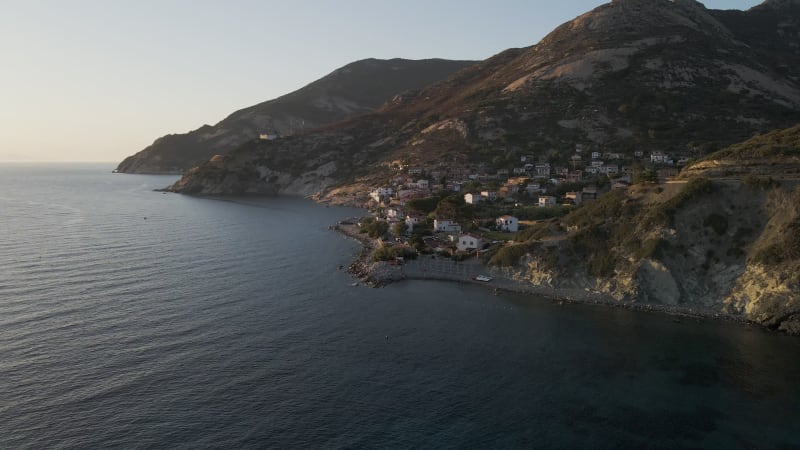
135,319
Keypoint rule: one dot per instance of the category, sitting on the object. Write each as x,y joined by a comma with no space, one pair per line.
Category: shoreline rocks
381,274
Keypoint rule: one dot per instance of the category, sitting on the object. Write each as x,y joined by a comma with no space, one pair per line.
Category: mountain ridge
628,75
356,88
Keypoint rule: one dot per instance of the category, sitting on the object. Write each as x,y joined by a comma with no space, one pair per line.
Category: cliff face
629,75
357,88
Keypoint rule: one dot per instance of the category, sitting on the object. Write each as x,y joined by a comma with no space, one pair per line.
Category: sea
131,318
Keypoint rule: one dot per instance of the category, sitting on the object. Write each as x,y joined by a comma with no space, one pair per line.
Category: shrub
602,264
717,222
509,255
763,183
389,253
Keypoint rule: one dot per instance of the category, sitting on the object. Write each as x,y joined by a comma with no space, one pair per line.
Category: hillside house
576,197
413,220
446,226
612,169
546,200
473,198
381,193
542,170
575,176
469,242
423,184
659,158
489,195
394,213
533,188
509,224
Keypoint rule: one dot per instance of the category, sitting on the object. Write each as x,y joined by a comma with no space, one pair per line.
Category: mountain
354,89
630,75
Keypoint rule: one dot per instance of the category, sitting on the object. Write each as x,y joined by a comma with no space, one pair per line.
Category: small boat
483,278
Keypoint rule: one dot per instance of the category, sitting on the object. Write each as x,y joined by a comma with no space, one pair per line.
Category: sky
99,80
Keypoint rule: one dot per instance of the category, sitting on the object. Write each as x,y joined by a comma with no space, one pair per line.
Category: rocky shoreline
381,274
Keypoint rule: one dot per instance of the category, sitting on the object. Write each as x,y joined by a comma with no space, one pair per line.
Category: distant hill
631,75
354,89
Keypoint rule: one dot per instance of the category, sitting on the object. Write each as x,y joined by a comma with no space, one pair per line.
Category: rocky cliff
714,242
630,75
354,89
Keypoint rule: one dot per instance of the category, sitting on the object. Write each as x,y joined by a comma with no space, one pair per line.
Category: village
460,211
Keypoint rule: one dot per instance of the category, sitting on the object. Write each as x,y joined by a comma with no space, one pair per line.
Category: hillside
354,89
629,76
713,246
775,154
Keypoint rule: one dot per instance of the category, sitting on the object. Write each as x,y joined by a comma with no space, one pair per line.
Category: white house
659,157
546,200
446,226
473,198
489,195
423,184
613,169
412,221
508,223
543,170
394,213
379,193
468,242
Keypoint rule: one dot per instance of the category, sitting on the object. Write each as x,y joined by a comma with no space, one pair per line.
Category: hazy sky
98,80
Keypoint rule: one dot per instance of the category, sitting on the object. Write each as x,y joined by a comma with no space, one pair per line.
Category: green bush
374,228
389,253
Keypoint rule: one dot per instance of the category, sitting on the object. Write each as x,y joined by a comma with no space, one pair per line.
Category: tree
646,176
399,229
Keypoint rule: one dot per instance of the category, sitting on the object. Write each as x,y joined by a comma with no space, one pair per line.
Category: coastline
381,274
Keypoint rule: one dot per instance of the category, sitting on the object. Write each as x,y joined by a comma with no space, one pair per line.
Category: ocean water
135,319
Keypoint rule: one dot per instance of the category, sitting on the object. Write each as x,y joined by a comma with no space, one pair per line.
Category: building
446,226
546,200
576,198
423,184
508,224
268,136
543,170
489,195
394,213
659,158
413,220
469,242
473,198
380,193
